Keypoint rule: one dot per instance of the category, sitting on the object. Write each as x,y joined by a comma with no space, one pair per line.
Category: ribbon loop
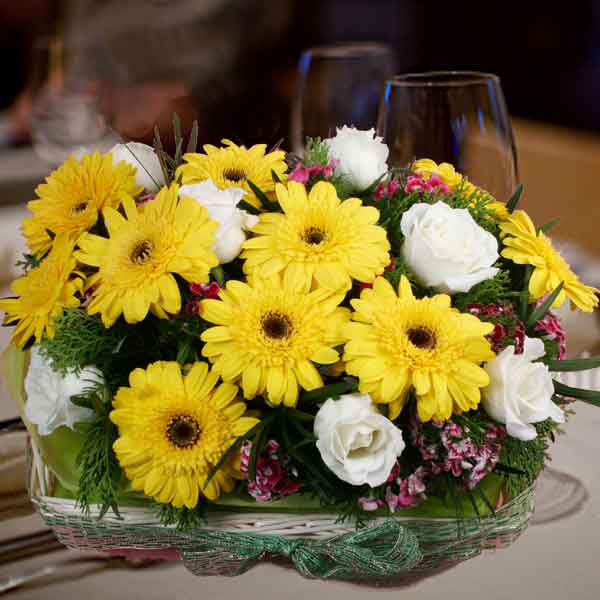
382,551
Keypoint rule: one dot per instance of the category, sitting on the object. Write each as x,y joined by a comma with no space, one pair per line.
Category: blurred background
232,63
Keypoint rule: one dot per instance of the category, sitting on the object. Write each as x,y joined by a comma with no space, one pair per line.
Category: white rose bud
48,403
356,442
520,390
361,156
143,158
222,207
446,248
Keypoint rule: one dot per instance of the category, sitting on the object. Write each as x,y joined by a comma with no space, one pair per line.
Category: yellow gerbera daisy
526,246
173,429
73,196
43,293
398,343
233,166
318,239
136,263
270,335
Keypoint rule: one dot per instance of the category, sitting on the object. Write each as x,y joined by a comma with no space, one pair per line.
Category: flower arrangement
240,328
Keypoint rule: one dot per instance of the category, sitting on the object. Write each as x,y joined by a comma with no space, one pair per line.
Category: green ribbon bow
381,551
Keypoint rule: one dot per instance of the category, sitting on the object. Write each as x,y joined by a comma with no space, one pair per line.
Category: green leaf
249,434
549,225
193,140
158,149
485,499
509,470
275,177
589,396
331,390
543,308
574,364
325,488
369,190
304,433
177,159
267,204
218,274
258,444
514,199
473,503
248,207
170,161
100,473
276,146
524,294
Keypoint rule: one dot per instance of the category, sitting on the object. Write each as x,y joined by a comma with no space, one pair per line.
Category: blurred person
151,58
145,59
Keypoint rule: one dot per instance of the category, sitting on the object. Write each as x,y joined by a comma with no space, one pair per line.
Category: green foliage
265,202
551,347
490,291
526,458
477,203
184,519
343,187
316,153
539,312
29,261
511,205
80,340
588,396
401,268
169,164
575,364
332,390
101,477
476,423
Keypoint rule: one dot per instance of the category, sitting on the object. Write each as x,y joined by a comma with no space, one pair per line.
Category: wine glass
65,115
338,85
461,118
458,117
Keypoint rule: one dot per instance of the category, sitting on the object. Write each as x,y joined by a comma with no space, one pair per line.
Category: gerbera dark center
421,337
183,431
276,325
314,236
142,252
80,206
233,174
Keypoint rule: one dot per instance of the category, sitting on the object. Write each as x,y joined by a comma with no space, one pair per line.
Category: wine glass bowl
338,85
459,117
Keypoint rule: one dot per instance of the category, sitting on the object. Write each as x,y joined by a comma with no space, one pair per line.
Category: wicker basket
392,551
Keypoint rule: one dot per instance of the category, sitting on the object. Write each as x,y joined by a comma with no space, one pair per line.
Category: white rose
361,154
356,442
446,249
49,394
222,207
520,390
143,158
